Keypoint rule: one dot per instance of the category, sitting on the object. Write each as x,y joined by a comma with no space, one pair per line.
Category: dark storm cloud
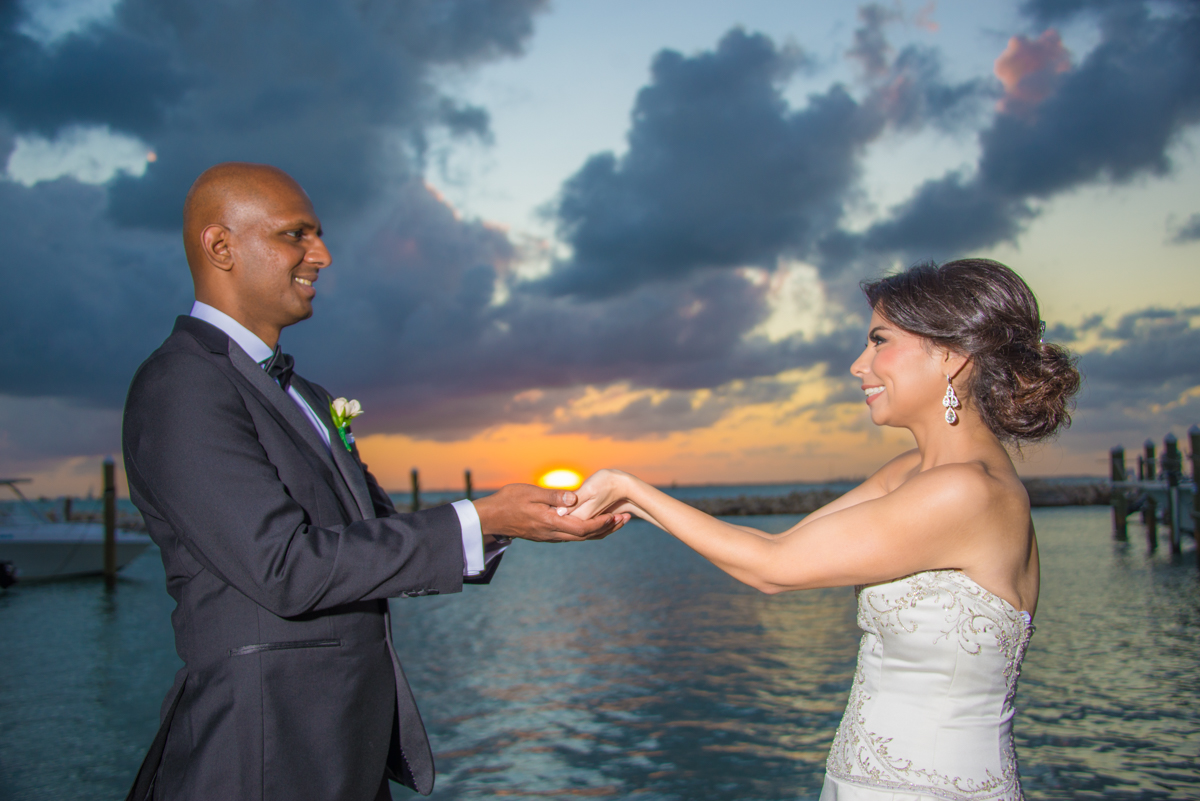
84,302
36,429
420,316
1110,119
871,48
1144,379
324,90
721,172
908,88
1188,231
1049,12
1155,351
1138,369
947,216
317,90
102,75
419,292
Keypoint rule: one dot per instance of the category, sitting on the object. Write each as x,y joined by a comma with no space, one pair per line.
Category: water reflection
629,667
1108,695
633,668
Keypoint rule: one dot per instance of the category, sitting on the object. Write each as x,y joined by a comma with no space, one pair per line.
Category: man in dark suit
280,548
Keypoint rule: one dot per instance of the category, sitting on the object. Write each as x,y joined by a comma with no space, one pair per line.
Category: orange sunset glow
804,438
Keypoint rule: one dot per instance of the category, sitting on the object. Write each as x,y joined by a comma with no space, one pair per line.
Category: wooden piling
1150,461
1120,505
416,491
1194,444
110,523
1172,469
1151,524
467,478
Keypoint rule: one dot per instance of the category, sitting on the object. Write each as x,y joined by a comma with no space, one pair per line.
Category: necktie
279,367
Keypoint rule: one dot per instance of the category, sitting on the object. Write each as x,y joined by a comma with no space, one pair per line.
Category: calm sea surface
632,668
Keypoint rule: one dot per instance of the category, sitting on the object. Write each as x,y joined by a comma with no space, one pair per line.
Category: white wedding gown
931,707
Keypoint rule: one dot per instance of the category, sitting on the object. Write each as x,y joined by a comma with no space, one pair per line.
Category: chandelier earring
950,401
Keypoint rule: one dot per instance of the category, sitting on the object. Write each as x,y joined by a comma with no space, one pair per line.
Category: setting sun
561,478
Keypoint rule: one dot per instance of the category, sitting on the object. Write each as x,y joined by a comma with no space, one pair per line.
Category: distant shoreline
1043,492
852,480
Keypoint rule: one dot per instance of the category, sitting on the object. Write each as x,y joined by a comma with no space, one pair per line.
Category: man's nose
319,255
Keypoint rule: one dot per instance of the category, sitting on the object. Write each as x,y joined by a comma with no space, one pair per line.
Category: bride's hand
603,493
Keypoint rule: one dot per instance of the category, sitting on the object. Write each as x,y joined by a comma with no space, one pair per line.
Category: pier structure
1160,490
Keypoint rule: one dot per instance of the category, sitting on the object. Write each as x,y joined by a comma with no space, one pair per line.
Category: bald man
280,548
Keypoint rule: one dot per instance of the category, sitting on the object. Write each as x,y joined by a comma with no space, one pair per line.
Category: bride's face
902,376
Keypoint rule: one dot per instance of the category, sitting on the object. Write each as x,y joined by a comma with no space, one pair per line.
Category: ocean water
631,668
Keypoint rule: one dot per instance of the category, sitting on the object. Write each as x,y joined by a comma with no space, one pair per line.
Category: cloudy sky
603,232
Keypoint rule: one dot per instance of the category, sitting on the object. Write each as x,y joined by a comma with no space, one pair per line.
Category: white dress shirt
474,558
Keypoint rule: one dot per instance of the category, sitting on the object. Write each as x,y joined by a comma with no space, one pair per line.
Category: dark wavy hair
1021,387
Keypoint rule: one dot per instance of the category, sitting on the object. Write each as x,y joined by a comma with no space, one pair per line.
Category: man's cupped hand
531,513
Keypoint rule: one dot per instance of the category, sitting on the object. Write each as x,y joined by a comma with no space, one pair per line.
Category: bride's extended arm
916,527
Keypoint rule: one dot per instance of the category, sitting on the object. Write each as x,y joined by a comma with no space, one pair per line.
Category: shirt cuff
472,537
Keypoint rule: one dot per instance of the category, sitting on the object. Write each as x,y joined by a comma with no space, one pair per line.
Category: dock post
1194,443
1150,460
416,491
1172,467
467,476
1151,509
1116,460
110,524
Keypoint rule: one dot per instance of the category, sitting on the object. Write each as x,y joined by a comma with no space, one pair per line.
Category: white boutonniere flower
343,411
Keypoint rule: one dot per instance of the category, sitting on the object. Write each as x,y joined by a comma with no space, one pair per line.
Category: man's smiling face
275,239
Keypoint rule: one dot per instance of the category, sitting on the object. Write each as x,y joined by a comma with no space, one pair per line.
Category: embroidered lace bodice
931,707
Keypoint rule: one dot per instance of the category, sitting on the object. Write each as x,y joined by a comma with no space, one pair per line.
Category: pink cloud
924,17
1028,68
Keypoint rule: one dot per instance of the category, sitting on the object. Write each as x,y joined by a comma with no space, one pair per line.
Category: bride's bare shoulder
896,471
973,486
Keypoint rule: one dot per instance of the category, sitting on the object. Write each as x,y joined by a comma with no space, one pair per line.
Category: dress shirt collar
255,348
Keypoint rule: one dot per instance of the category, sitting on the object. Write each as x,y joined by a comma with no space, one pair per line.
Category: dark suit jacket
280,556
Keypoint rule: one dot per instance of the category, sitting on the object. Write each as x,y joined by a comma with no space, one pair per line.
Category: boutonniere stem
343,411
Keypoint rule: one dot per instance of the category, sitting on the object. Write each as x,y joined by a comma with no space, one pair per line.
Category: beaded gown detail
931,706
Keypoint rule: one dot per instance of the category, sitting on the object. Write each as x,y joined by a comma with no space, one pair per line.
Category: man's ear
214,242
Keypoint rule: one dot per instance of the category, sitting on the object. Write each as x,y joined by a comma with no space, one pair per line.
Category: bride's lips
873,391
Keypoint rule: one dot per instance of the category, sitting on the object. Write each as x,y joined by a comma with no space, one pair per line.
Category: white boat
37,548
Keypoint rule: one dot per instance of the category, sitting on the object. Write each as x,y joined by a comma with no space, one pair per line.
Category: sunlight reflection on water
633,668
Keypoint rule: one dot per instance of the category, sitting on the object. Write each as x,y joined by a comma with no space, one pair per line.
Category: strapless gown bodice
931,706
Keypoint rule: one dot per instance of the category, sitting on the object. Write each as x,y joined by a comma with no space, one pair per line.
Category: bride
939,541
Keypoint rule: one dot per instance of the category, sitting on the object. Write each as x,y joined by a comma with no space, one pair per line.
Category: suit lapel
349,467
280,401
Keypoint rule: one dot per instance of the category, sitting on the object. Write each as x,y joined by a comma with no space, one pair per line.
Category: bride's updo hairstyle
1021,387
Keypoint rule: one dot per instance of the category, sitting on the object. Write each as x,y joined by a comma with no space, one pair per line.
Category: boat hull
61,550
